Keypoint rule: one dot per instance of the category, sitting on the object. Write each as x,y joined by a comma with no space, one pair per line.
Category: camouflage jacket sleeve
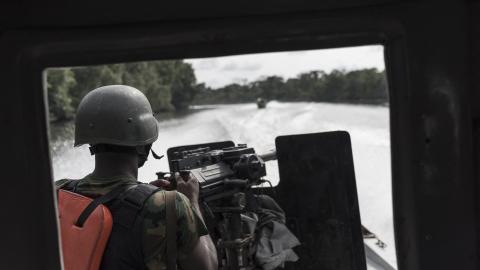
60,183
189,229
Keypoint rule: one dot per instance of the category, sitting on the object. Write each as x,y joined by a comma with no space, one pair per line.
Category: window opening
220,98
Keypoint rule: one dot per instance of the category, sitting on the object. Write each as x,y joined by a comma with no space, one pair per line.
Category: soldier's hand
162,183
188,186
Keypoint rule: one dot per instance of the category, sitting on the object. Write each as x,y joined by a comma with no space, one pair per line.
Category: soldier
118,124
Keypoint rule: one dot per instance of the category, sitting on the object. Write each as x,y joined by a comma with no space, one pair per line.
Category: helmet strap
155,155
110,148
141,151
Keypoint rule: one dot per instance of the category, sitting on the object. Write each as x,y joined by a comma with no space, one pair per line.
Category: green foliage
359,86
89,78
153,79
59,83
183,85
169,85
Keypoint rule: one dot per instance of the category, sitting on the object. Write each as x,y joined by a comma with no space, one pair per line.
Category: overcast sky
220,71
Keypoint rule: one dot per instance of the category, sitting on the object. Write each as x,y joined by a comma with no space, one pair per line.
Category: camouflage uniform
190,226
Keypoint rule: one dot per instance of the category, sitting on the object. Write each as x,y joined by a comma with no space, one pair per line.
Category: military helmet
115,114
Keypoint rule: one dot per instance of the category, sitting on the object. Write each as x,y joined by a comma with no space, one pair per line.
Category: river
368,127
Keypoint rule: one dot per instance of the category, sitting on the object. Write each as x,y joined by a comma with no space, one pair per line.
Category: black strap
140,195
110,148
101,200
127,207
74,186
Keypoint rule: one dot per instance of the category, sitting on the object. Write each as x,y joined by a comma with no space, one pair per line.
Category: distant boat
261,103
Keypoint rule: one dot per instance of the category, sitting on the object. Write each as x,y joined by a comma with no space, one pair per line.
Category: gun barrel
269,156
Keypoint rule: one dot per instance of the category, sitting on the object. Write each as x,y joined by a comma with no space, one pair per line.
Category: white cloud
241,66
206,64
231,66
219,71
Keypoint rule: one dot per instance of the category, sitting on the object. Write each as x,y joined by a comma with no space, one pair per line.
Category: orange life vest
83,243
86,225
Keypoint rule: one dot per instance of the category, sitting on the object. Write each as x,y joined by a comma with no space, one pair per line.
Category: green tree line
359,86
169,85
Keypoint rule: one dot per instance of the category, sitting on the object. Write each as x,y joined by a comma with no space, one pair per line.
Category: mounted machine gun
226,174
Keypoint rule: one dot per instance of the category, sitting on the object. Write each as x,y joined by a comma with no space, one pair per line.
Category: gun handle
163,176
173,182
184,174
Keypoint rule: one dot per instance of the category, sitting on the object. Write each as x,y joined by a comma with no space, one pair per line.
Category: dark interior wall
430,71
474,54
439,126
474,73
57,13
30,240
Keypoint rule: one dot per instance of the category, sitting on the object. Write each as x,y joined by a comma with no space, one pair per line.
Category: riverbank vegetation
359,86
168,85
172,86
